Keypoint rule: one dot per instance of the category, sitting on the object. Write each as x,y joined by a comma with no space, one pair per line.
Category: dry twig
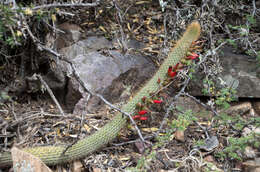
50,93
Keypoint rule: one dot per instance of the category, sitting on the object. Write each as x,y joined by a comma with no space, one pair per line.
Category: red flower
158,81
136,117
176,67
169,70
142,112
157,101
193,56
143,99
172,74
143,118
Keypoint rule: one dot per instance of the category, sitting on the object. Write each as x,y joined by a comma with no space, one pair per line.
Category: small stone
140,146
179,135
77,166
249,152
97,170
249,130
257,130
246,131
252,165
209,158
240,109
210,144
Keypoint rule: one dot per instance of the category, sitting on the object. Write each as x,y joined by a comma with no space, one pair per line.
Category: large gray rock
98,70
239,71
104,71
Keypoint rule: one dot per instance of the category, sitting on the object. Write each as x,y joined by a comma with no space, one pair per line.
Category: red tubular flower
142,112
136,117
158,81
176,67
157,101
172,74
143,118
193,56
169,70
143,99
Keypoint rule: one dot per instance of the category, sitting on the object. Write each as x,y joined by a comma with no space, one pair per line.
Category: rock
54,73
209,158
74,94
140,147
111,75
188,103
257,131
71,34
23,161
179,135
239,109
77,166
252,165
67,35
249,152
209,144
248,130
256,106
97,169
99,70
240,70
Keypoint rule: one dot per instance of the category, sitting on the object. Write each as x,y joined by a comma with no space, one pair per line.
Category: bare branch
67,5
50,93
62,5
120,22
172,105
199,102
